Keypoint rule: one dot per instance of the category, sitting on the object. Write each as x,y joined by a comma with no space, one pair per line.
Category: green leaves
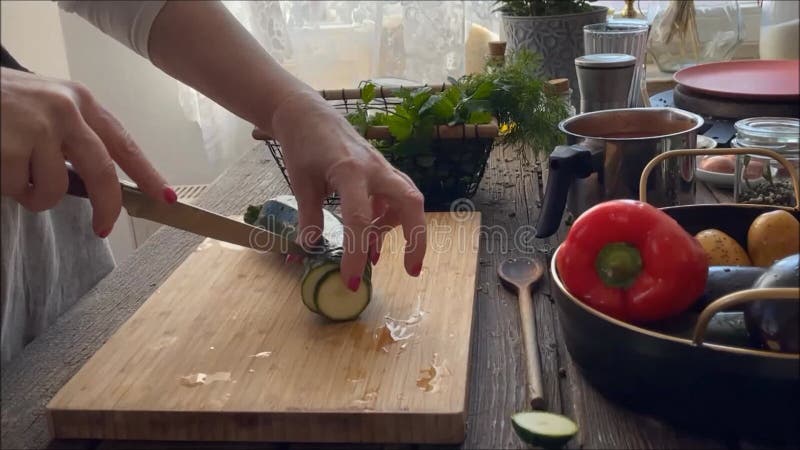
438,106
367,93
514,93
541,7
400,126
483,90
420,110
478,117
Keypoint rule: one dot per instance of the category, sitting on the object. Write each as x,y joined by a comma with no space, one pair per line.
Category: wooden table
509,197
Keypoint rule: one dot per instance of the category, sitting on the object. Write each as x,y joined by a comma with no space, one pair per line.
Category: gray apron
49,261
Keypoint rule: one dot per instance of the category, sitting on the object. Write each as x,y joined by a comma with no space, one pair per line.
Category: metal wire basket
450,169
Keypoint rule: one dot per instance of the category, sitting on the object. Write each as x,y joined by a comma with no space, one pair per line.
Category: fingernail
354,283
416,270
291,258
169,195
103,234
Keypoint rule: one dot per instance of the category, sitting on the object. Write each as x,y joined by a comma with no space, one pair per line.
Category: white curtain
337,44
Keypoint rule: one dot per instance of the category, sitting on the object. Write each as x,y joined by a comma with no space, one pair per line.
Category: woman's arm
204,46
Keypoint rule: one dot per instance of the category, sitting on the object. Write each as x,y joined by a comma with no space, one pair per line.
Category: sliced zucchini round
544,429
313,274
336,302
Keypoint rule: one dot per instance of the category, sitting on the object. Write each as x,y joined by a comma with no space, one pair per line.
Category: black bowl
721,389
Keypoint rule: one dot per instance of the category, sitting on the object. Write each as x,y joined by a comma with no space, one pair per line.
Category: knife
191,218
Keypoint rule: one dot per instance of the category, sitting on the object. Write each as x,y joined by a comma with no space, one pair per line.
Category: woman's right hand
46,121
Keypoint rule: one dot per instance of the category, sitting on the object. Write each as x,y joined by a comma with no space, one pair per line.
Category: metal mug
604,157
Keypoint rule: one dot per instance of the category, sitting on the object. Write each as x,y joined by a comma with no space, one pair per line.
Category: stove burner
718,129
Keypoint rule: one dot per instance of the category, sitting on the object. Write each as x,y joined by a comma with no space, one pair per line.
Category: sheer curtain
337,44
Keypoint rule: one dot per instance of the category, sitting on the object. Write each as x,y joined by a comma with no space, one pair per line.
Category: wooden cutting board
225,350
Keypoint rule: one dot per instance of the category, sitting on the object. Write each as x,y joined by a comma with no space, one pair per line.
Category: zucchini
544,429
280,215
336,302
311,278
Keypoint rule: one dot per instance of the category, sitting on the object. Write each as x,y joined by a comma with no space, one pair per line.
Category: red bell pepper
633,262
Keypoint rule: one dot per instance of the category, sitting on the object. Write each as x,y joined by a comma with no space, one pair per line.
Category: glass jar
684,33
780,26
762,180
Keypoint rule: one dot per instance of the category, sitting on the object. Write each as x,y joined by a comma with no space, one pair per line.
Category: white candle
476,48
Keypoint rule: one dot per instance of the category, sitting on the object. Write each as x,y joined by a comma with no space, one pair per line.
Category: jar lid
559,85
605,60
778,133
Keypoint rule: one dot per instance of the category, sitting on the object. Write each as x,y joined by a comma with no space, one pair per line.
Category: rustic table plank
509,198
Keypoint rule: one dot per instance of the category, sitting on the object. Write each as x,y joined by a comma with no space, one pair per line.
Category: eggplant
322,290
724,280
773,324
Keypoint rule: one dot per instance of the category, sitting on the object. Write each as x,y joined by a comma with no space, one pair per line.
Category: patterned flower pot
558,39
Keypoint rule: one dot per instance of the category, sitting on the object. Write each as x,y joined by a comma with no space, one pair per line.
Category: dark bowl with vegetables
714,366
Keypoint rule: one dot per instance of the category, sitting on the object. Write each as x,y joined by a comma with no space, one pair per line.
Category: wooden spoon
519,275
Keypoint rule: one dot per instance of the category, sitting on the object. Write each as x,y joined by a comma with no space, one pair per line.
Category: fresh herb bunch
525,106
514,93
542,7
412,122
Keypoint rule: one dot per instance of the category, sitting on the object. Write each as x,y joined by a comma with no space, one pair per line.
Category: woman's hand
325,154
47,121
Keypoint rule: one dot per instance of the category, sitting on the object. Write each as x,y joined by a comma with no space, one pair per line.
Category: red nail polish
169,195
103,234
292,258
416,270
354,283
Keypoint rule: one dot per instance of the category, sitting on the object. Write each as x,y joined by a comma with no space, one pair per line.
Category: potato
721,164
722,250
772,236
727,164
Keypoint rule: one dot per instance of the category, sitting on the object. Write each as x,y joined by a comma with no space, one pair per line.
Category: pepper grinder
604,80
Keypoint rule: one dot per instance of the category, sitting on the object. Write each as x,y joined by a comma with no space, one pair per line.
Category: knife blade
192,218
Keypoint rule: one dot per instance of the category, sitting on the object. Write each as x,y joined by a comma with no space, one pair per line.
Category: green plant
526,109
444,169
527,112
542,7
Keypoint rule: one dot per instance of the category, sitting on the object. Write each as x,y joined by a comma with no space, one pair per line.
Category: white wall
142,97
31,31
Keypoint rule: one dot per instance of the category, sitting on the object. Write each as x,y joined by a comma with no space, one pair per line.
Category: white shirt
53,258
128,22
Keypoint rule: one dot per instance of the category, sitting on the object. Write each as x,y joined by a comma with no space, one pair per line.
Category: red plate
749,79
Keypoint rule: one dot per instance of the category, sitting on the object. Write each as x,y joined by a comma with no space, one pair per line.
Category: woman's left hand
324,154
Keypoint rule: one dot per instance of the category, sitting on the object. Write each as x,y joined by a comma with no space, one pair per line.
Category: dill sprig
526,108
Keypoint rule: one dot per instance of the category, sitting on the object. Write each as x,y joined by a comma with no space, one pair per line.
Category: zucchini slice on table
322,289
544,429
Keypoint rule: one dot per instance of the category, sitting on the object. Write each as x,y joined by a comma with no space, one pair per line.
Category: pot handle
566,163
720,151
738,298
